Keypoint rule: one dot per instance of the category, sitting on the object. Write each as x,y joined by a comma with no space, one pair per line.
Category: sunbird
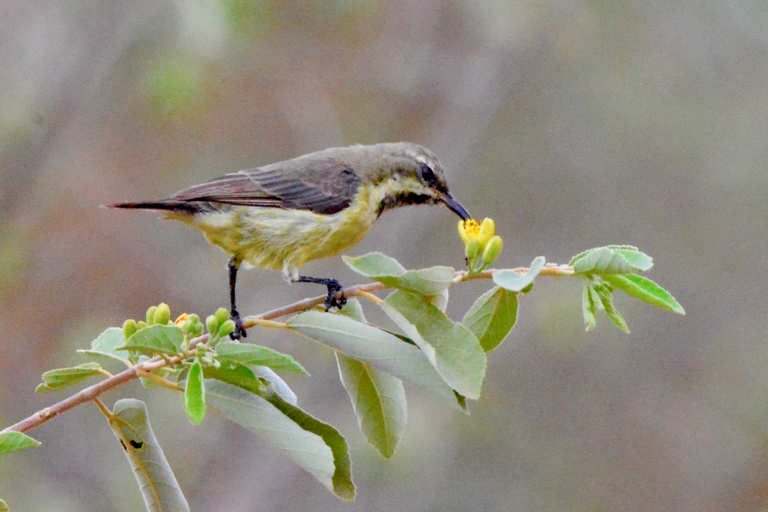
285,214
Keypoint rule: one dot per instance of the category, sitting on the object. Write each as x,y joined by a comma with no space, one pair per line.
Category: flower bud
472,249
129,327
211,324
226,328
492,249
162,314
151,315
222,315
195,329
141,325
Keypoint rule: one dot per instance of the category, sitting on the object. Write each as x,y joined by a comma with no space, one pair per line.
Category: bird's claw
335,297
239,331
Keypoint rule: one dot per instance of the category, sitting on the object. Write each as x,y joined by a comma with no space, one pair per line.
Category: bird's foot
239,331
335,297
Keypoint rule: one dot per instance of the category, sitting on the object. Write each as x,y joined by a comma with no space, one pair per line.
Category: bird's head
405,174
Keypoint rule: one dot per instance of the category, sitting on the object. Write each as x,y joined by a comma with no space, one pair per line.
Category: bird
282,215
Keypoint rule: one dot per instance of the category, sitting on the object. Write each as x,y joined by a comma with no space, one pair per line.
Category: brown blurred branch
91,393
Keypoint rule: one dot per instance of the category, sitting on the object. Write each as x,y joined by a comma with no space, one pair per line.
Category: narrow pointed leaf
290,433
194,394
158,485
16,441
645,290
589,306
606,299
612,259
381,268
378,399
245,353
155,339
106,345
451,348
492,317
60,378
369,344
514,282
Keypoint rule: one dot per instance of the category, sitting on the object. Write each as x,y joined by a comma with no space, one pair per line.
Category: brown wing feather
322,185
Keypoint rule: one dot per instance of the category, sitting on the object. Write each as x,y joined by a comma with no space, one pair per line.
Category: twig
364,290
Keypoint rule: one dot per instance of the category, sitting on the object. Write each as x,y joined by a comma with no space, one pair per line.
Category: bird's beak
454,205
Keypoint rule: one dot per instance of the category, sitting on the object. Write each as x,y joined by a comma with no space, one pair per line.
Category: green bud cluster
219,324
156,315
192,326
159,315
129,328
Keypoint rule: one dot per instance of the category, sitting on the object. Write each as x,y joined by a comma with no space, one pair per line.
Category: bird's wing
322,185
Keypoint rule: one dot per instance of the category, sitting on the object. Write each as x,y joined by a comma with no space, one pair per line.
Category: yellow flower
481,244
470,229
182,319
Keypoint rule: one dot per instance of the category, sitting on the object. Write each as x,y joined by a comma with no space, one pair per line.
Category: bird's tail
165,205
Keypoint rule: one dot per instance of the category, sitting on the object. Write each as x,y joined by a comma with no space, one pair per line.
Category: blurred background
572,124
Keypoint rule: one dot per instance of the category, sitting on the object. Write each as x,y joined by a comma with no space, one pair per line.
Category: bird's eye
427,174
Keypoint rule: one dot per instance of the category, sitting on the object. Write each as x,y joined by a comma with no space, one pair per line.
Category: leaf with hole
158,485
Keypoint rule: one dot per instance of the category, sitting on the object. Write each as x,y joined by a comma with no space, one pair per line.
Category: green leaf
589,306
106,345
353,310
356,312
378,399
4,506
16,441
238,375
60,378
276,384
245,353
194,394
606,299
492,317
158,486
451,348
370,344
440,301
289,430
386,270
612,259
155,339
514,282
645,290
343,486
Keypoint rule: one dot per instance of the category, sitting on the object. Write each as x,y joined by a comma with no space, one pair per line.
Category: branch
91,393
